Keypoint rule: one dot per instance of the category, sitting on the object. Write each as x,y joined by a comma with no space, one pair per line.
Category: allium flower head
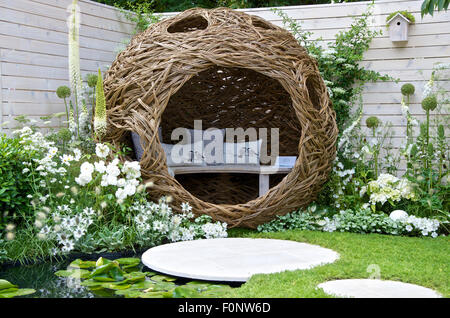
63,92
429,103
91,80
408,89
372,122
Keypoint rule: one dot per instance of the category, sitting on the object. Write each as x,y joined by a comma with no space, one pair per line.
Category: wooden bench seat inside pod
228,69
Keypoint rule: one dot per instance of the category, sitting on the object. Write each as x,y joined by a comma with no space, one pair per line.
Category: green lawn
422,261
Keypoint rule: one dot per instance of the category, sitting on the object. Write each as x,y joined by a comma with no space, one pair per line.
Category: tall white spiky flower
73,23
100,109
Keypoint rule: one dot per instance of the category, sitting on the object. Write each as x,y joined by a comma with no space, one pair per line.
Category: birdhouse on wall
398,28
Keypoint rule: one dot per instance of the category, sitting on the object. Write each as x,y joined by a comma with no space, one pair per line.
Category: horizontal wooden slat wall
33,51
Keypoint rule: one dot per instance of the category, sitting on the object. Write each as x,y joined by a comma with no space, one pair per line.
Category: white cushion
285,161
242,152
183,155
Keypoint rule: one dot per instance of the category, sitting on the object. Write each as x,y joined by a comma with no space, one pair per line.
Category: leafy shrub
355,221
15,184
427,155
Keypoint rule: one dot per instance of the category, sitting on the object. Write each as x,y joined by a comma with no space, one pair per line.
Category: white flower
66,159
362,191
86,168
339,90
78,233
52,151
185,207
112,169
61,170
104,181
442,66
366,150
102,150
427,89
111,179
100,166
130,189
83,179
133,182
77,154
160,227
89,211
186,234
67,246
132,169
121,182
121,194
216,230
176,220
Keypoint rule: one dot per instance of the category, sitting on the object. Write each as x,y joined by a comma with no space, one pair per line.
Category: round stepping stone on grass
375,288
234,259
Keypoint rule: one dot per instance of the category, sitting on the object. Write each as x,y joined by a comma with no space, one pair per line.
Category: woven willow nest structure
229,69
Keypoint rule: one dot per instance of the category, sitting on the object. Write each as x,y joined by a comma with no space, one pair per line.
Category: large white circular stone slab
375,288
234,259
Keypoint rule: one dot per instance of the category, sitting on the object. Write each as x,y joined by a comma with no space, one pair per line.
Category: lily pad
78,263
185,292
128,269
18,292
103,278
77,273
90,283
102,261
116,273
163,278
115,286
4,284
155,295
134,277
128,262
108,272
164,286
149,274
9,290
128,293
199,286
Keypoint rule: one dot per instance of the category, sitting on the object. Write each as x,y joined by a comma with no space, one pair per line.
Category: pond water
42,278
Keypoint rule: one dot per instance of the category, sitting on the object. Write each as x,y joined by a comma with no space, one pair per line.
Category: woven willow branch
168,76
